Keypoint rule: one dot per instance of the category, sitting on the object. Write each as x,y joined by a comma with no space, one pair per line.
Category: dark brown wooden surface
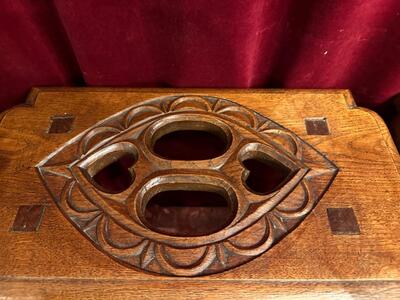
57,262
317,126
28,218
343,221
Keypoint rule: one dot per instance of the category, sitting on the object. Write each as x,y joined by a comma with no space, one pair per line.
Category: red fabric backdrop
227,43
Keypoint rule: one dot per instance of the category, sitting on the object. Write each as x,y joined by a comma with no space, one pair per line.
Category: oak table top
346,246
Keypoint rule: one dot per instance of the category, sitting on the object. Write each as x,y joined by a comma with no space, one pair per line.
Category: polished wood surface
56,261
174,206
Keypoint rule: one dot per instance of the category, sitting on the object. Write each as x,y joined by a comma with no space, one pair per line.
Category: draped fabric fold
227,43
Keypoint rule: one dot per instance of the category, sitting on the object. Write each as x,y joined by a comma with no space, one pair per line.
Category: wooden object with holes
87,206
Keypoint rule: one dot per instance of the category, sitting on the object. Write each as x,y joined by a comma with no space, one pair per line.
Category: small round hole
188,212
190,140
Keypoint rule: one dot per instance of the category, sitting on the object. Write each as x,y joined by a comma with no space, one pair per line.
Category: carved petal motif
114,222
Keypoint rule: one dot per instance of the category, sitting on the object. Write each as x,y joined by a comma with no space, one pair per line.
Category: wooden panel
199,289
260,181
368,182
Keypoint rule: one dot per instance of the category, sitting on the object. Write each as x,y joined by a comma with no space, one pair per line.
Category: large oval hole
190,140
265,175
188,213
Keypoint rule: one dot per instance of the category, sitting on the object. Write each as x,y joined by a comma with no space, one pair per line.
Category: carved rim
184,122
175,182
187,121
96,162
263,152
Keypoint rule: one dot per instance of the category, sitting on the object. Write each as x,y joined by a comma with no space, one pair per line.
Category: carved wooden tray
346,246
186,185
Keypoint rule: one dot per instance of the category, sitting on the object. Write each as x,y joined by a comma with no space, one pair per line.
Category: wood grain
200,289
114,219
56,261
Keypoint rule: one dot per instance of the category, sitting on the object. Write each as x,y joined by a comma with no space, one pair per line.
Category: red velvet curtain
222,43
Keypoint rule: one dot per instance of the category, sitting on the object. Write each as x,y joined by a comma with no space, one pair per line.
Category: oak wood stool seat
202,193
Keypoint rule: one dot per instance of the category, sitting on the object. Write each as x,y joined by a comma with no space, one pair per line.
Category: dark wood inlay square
28,218
317,126
61,124
343,221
